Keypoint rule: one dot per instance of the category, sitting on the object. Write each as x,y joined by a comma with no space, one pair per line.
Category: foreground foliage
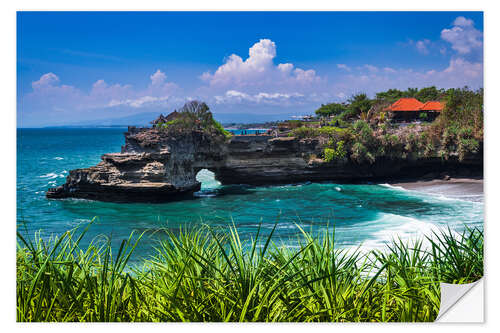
207,276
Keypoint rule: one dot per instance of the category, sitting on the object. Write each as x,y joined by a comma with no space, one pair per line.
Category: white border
8,135
469,308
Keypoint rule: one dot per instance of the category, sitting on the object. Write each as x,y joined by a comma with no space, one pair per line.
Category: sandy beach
451,187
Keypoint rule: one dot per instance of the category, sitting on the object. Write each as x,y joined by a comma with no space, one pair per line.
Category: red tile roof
405,104
432,106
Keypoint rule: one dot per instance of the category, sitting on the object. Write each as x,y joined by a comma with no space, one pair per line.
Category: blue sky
82,66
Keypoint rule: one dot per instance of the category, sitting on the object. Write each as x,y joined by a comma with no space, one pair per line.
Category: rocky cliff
152,167
156,166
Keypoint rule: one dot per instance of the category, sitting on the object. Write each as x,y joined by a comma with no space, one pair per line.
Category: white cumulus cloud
371,68
259,70
140,102
463,36
344,67
422,46
49,92
46,80
158,78
234,97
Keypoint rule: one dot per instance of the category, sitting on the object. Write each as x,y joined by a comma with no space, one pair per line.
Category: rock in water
153,166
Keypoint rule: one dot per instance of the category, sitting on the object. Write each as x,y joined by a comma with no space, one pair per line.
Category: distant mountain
143,119
140,119
247,118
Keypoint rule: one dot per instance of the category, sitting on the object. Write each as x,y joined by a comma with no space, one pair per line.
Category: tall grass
204,275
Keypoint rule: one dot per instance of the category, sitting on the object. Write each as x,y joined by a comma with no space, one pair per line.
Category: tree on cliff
331,109
358,104
430,94
196,115
423,95
198,108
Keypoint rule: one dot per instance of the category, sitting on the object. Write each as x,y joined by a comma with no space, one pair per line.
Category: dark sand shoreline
452,186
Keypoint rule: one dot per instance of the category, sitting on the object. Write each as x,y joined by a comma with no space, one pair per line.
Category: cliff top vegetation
194,115
361,130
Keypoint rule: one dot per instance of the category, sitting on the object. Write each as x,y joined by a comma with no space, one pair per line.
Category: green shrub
384,127
305,132
466,133
326,131
423,115
467,146
337,153
361,154
339,121
335,133
363,133
220,129
329,154
429,149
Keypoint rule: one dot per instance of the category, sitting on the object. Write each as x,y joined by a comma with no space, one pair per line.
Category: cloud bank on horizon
258,83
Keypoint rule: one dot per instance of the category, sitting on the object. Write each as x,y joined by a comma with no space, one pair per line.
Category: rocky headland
155,167
159,164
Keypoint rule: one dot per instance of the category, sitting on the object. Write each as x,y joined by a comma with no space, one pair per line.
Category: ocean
248,131
367,215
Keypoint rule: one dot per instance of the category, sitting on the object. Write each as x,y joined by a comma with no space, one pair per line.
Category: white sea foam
393,187
388,227
58,158
207,179
49,175
53,175
459,199
286,226
202,194
78,222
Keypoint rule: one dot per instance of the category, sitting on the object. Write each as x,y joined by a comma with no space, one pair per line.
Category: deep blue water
362,214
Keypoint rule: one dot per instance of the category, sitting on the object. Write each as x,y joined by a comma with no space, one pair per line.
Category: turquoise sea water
362,214
248,131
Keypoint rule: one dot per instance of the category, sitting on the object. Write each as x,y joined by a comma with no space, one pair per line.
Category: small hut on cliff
172,116
158,121
164,119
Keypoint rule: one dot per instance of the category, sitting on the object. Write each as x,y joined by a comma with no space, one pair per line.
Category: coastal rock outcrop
152,167
155,166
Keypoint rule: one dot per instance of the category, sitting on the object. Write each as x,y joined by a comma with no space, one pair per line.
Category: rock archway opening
207,180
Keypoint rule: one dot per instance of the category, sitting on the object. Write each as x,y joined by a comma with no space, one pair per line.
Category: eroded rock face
260,161
154,166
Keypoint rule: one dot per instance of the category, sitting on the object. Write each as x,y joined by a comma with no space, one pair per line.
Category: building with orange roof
405,105
435,106
409,108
